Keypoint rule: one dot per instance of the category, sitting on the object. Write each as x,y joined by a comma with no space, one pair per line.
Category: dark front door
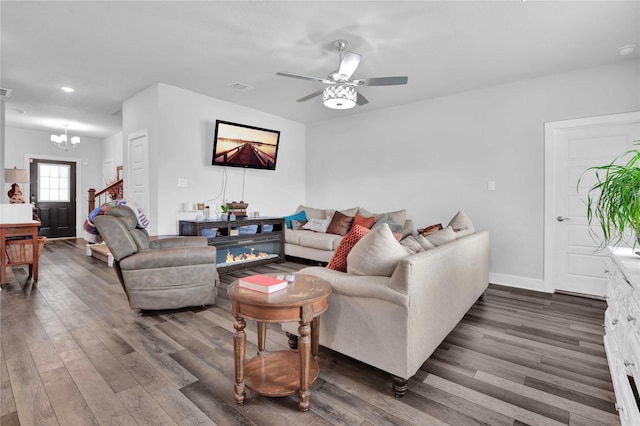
53,192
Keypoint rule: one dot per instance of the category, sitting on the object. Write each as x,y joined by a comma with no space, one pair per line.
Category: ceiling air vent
241,86
5,93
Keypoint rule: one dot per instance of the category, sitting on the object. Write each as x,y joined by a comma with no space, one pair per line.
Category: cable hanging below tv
239,145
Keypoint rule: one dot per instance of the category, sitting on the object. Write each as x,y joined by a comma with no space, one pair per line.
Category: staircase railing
113,192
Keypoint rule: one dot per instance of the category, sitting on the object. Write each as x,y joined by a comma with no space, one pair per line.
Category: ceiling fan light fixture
339,96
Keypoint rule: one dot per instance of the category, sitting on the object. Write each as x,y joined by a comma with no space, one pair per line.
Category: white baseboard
518,282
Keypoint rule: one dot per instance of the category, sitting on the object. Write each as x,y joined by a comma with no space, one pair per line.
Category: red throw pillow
366,222
430,229
339,260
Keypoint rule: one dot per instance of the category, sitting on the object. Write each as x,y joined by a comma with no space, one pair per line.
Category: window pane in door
53,182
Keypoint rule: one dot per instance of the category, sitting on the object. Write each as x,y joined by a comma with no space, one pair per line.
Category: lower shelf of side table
277,373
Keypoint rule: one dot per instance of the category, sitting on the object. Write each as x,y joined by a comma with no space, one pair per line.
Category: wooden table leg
304,352
34,254
315,336
262,336
239,348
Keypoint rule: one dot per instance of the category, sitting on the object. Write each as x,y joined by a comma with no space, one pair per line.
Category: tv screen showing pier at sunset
239,145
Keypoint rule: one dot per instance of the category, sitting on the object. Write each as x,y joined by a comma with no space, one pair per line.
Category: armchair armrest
169,257
178,242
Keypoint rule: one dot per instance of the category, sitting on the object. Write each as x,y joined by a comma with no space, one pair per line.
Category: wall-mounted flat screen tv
239,145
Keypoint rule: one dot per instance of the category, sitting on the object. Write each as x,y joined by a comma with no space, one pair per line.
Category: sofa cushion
313,213
340,224
319,240
292,236
317,225
399,216
430,229
296,224
298,216
395,227
339,260
424,243
441,237
366,222
411,245
377,253
461,224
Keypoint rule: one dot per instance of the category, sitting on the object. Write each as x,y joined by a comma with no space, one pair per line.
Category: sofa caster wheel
293,340
399,386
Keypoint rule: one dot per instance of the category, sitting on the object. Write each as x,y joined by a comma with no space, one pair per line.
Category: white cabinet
622,330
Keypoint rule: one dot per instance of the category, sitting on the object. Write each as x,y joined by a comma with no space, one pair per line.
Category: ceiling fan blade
310,96
383,81
361,100
304,77
349,64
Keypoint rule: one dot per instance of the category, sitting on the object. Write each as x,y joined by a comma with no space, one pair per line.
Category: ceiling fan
341,92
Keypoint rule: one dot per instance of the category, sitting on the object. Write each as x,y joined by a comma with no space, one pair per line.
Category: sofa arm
169,257
178,242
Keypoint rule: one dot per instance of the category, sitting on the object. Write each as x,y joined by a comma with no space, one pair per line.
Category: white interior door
138,178
573,262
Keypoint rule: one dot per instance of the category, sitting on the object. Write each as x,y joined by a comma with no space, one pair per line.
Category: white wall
181,128
436,156
112,151
21,143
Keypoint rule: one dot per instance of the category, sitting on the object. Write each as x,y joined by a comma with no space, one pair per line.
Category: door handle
562,219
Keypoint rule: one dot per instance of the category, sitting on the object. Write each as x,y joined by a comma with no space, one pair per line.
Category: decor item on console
397,301
614,199
16,176
239,209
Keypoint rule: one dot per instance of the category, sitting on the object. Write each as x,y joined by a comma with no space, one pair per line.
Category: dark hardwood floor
73,353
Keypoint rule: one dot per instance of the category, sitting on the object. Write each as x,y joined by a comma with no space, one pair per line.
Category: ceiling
109,51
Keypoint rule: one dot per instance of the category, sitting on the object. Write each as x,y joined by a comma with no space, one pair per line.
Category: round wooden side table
275,373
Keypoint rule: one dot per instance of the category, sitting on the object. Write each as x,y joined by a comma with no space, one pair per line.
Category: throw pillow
298,216
430,229
339,260
461,224
377,253
340,224
394,226
318,225
366,222
295,225
441,237
399,217
424,243
411,245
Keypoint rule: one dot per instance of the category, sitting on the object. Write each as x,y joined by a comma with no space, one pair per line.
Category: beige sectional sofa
320,246
395,322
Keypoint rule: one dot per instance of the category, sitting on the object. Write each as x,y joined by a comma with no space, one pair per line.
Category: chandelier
339,96
63,142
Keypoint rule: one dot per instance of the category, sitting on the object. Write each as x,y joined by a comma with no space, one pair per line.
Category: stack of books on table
262,283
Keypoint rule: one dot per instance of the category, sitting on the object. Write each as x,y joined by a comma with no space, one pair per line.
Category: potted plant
614,200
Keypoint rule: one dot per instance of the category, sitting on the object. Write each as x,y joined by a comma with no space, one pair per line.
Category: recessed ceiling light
625,50
67,89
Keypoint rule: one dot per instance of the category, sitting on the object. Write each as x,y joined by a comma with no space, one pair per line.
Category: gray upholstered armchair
160,274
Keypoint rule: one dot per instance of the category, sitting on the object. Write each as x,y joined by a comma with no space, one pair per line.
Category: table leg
315,336
33,271
262,336
304,351
239,348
